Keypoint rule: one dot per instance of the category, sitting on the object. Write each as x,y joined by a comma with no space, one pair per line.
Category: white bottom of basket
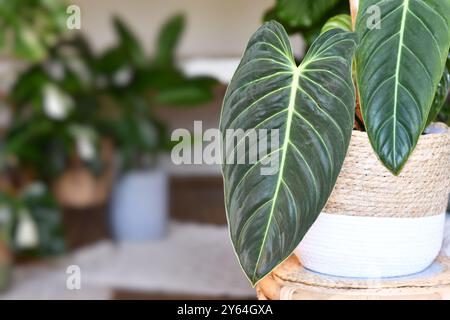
371,247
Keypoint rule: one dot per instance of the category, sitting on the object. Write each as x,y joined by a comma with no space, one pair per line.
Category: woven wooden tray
291,281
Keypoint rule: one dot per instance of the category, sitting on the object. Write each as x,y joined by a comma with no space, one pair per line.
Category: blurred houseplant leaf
307,16
44,212
441,94
395,98
30,30
444,115
42,233
190,92
313,108
129,44
444,110
175,88
168,40
186,94
305,13
28,45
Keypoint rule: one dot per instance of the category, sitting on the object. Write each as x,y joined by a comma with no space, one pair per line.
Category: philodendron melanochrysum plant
397,64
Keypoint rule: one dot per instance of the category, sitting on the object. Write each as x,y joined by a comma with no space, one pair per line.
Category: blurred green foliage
306,16
444,110
440,97
69,98
45,216
76,94
31,27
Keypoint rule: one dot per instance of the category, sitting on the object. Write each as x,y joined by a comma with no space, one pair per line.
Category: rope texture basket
421,189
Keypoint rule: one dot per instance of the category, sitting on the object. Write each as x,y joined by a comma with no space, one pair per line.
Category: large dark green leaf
399,67
312,106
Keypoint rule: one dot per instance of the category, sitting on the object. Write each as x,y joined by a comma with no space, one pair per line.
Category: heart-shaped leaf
399,64
312,106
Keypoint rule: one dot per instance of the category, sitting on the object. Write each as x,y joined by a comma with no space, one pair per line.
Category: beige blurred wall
216,28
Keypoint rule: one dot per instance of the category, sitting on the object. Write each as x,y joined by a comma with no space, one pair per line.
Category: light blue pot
139,206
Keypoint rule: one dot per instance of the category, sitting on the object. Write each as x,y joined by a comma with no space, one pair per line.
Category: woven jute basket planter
376,224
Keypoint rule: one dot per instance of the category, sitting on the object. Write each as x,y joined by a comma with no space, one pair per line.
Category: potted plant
74,110
55,129
385,216
135,87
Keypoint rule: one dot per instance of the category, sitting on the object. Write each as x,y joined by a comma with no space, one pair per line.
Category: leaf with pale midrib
313,107
399,67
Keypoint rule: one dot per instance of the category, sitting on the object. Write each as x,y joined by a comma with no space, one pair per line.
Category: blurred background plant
65,104
32,222
78,119
444,112
28,31
305,17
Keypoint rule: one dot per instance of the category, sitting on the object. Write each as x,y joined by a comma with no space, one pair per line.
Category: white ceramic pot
371,247
376,224
139,206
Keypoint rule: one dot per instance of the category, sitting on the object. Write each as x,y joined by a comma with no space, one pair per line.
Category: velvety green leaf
168,39
399,66
304,13
312,106
341,21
